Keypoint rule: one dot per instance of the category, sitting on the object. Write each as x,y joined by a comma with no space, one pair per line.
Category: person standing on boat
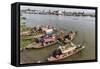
61,38
62,35
40,30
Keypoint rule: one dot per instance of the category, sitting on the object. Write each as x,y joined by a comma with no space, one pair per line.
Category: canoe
75,49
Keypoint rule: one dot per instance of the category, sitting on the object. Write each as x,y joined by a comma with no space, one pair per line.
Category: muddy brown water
86,33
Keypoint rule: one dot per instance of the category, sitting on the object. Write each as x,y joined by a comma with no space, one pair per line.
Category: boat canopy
49,31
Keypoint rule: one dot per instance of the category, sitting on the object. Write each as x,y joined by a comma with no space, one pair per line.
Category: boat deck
34,45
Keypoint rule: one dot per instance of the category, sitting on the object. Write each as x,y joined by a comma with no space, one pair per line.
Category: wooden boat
66,53
64,39
38,45
43,42
38,36
72,36
26,33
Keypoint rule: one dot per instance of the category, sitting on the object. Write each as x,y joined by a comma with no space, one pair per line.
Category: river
85,26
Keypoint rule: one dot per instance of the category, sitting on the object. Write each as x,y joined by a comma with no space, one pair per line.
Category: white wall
5,25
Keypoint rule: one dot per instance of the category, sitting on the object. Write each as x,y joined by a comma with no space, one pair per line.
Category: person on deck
69,35
57,53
